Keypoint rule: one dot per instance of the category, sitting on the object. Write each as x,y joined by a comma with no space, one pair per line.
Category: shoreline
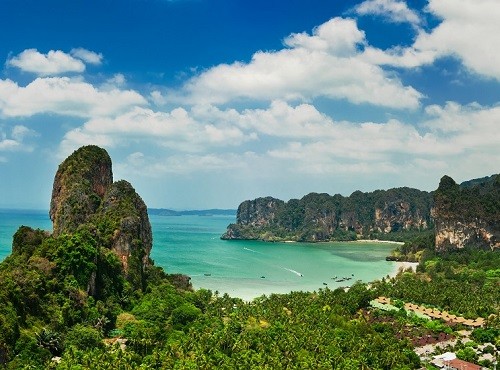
402,265
375,241
344,241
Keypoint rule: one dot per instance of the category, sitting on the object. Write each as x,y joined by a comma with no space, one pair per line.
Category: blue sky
203,104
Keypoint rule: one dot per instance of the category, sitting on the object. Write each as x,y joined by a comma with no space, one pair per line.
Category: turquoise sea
246,269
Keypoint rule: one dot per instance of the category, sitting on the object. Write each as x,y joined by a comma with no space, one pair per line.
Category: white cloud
64,96
87,56
400,57
117,80
471,127
9,145
469,31
325,64
15,141
449,139
299,139
20,132
55,62
394,10
179,129
338,36
279,120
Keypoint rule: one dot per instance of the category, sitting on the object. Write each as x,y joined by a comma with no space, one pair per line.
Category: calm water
11,220
191,245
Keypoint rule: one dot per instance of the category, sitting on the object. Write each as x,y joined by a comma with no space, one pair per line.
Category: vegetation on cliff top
79,185
453,216
322,217
472,200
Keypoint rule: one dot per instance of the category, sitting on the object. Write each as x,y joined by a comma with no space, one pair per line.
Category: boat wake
251,250
293,271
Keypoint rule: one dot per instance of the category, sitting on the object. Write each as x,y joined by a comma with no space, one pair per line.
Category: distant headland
452,217
196,212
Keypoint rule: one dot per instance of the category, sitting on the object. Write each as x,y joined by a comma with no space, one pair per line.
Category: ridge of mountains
459,216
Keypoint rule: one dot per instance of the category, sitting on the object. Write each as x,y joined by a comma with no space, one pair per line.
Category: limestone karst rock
131,238
467,215
322,217
85,196
79,186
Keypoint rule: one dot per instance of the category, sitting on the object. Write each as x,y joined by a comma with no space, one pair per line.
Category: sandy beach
376,241
398,266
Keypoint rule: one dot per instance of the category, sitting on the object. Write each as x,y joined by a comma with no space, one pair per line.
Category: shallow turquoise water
12,219
191,245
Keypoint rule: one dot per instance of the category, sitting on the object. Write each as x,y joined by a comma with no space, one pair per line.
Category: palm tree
49,340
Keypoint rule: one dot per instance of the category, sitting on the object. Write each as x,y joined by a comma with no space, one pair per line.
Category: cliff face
84,196
79,186
321,217
131,236
467,215
259,212
398,215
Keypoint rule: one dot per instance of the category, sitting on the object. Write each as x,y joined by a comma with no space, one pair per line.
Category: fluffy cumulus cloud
64,96
55,62
178,129
467,31
327,63
393,10
471,127
448,141
87,56
298,137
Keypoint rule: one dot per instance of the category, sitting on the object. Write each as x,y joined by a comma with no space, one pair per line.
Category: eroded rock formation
467,215
84,196
322,217
132,238
79,186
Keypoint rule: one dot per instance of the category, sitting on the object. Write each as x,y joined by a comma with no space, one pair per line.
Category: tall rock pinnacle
79,186
84,196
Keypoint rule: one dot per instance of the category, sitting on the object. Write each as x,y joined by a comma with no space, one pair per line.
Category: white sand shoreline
376,241
398,266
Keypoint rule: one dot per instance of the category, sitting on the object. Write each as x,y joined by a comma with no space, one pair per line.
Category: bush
83,337
467,354
184,314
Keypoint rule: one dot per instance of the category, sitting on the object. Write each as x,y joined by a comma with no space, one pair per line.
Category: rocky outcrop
84,196
398,215
131,237
467,215
259,212
322,217
254,214
79,186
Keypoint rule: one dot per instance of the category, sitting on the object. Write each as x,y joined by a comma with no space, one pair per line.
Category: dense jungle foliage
48,320
477,199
